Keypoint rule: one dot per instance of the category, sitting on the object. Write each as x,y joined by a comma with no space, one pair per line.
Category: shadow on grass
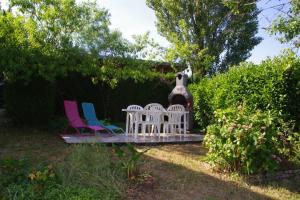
291,184
174,181
186,179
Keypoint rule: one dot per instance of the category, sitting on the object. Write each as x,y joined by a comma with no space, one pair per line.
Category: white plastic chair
174,119
153,118
153,121
133,118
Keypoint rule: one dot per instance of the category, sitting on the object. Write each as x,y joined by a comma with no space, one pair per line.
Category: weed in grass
91,166
128,160
13,171
19,180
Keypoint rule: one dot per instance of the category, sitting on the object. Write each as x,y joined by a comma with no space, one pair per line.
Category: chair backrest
71,110
135,107
176,107
154,106
136,116
175,117
90,114
154,116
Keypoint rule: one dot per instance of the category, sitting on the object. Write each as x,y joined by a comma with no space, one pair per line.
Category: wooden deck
140,139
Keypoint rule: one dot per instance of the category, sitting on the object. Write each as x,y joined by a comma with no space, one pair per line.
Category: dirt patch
143,189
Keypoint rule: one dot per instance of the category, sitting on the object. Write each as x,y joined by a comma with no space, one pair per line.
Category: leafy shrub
294,151
292,89
270,96
245,142
203,112
30,103
268,86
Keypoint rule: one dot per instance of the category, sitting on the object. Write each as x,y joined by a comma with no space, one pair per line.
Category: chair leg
139,128
149,129
180,129
136,128
130,130
164,129
153,130
143,129
158,131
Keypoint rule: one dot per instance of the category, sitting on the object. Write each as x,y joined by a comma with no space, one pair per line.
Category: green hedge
109,101
39,102
272,85
247,113
292,90
1,96
30,103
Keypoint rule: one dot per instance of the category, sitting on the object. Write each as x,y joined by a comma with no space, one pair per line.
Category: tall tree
49,38
288,24
206,33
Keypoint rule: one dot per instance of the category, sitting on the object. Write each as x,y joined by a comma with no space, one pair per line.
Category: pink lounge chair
74,120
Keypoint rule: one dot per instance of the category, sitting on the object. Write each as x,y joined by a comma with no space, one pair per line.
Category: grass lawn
36,145
178,170
180,173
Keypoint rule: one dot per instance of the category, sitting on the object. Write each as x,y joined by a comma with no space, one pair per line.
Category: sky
134,17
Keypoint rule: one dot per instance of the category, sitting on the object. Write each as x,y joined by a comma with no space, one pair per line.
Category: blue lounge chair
92,120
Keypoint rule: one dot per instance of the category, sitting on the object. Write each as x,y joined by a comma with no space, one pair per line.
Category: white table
145,112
